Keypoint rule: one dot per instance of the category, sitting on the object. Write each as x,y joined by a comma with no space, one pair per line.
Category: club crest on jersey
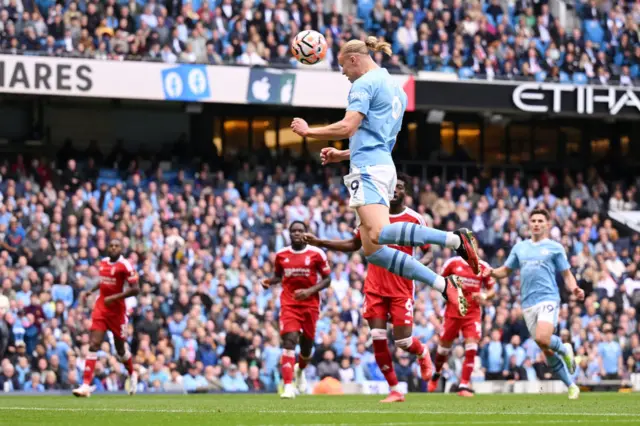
544,252
307,261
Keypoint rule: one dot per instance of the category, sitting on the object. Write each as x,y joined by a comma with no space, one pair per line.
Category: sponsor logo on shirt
297,272
358,95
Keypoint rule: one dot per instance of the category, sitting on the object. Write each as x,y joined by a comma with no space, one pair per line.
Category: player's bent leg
544,331
442,353
470,351
124,356
95,340
543,337
383,358
306,347
404,340
287,364
374,217
411,234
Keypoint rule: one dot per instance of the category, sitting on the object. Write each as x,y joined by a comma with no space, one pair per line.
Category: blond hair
363,47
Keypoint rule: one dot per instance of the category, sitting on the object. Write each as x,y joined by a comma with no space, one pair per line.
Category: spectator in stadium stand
431,38
201,303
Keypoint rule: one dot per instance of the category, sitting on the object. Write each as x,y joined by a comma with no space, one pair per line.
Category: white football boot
132,383
301,380
569,358
289,392
84,390
574,391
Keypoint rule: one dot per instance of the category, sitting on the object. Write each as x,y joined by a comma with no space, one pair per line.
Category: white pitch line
298,411
508,422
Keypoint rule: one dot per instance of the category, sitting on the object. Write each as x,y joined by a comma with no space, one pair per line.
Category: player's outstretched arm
342,129
572,285
497,273
344,246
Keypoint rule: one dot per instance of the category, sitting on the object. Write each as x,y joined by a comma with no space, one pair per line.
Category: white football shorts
371,185
543,311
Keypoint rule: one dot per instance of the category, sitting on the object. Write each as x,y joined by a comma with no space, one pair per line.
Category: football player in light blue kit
372,122
538,259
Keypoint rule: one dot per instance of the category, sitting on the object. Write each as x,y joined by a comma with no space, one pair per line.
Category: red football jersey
471,283
113,276
300,269
387,284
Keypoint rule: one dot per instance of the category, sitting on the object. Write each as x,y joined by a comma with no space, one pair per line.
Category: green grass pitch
419,409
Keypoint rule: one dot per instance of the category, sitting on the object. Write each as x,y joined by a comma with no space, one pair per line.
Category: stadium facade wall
445,92
107,124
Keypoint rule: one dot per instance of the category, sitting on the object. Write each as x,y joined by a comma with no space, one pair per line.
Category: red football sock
89,366
287,362
384,361
303,361
469,361
441,357
127,360
416,348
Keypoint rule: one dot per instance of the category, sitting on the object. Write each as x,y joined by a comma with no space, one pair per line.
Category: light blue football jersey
382,101
538,263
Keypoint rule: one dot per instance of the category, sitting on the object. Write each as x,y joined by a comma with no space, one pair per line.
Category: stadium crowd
202,241
491,39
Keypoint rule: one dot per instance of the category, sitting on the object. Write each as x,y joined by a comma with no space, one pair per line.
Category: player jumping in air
538,259
389,297
372,122
110,313
298,267
473,287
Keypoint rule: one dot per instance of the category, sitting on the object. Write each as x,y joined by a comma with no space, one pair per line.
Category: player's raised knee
543,341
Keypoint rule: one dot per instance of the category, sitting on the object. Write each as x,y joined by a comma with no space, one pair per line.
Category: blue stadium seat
634,69
540,76
169,175
109,173
466,73
108,181
410,58
618,58
580,78
593,31
564,77
448,69
541,46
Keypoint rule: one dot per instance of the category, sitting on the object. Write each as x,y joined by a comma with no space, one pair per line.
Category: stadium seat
466,73
593,31
541,76
109,173
580,78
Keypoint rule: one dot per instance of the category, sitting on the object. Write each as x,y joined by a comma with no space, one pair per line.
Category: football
309,47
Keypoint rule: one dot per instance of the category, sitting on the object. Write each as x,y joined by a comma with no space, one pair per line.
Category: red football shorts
471,328
114,322
294,320
397,310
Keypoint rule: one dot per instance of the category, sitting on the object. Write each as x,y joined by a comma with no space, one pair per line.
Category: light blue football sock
557,346
558,367
406,266
411,234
